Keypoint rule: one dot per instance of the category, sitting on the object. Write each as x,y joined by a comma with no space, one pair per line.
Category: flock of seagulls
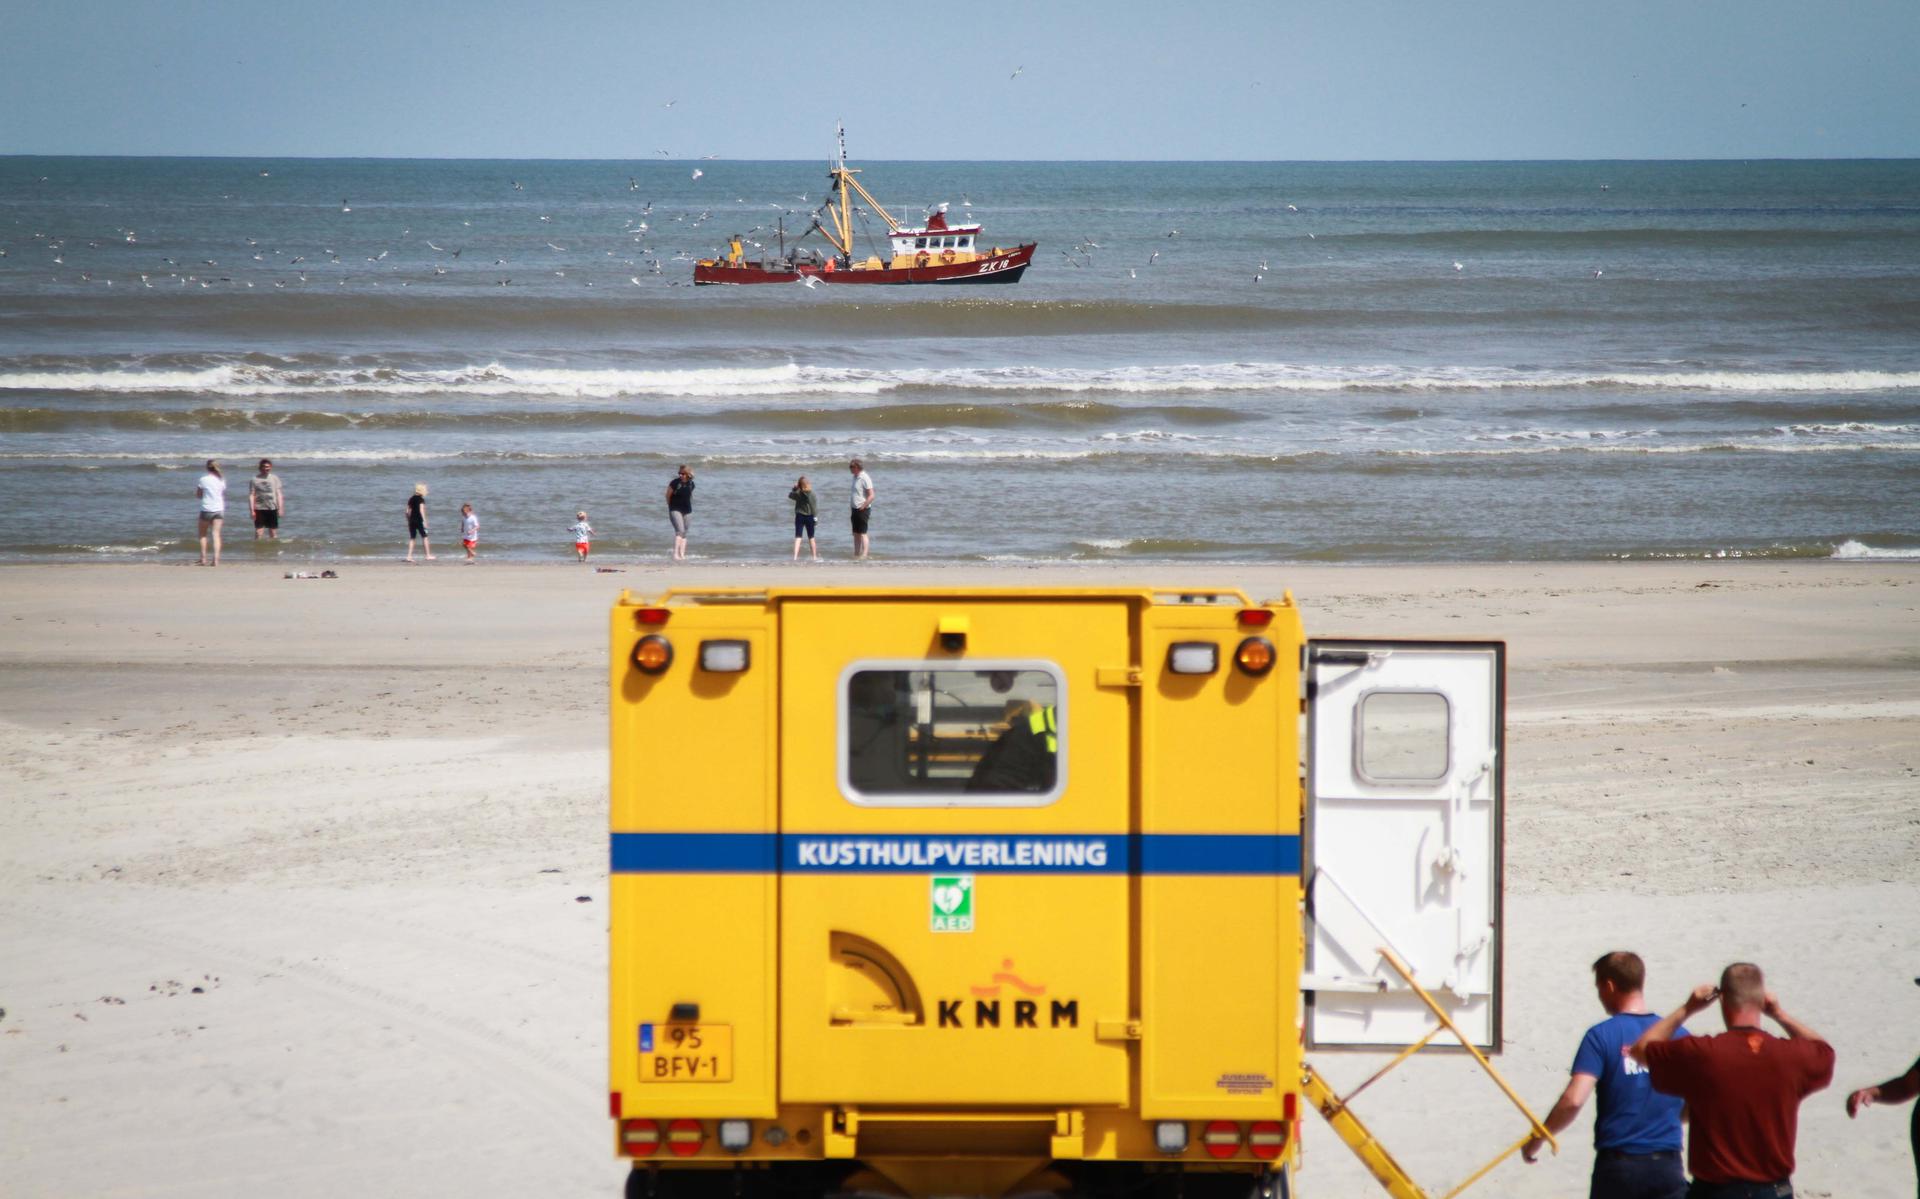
637,231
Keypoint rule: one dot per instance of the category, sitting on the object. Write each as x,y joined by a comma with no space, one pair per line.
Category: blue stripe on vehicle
860,853
695,853
1218,853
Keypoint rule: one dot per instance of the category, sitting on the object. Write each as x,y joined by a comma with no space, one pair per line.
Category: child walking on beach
805,512
469,530
582,535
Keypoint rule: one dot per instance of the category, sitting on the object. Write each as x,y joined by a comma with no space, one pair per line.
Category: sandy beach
302,883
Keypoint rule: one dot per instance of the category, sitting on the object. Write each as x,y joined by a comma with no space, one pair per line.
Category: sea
1248,362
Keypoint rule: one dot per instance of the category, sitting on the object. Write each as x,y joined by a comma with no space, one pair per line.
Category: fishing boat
934,252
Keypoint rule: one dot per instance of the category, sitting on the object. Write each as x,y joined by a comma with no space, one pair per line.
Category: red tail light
1291,1107
652,615
684,1138
1222,1138
613,1104
1267,1139
1256,618
639,1138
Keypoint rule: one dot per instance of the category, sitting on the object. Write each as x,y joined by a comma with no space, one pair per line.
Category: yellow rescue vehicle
991,891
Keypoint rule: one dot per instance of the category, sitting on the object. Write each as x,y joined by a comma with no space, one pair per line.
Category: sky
1024,79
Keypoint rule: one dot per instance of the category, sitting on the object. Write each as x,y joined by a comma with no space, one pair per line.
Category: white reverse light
1193,657
1170,1137
735,1135
724,657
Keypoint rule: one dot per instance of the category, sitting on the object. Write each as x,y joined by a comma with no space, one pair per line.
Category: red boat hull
995,268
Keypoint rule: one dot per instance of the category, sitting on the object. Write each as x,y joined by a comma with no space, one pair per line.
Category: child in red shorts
469,530
582,535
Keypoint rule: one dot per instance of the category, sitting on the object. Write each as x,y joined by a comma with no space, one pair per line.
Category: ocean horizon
1217,360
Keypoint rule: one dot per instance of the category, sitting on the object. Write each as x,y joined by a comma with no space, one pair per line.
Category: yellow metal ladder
1365,1146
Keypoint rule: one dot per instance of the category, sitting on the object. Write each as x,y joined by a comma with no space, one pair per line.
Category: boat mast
844,183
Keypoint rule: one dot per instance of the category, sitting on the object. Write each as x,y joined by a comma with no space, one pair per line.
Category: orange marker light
1255,656
654,654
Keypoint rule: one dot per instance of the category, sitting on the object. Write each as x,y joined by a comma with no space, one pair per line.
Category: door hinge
1118,676
1116,1030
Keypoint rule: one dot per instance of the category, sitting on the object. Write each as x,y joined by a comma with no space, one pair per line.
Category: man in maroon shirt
1743,1087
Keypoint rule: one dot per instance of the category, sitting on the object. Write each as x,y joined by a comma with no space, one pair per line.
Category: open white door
1404,771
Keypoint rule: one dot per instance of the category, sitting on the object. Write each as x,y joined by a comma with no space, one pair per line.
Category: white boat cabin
936,242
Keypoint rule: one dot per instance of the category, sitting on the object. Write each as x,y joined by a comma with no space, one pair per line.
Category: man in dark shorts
862,507
266,499
1636,1130
1894,1090
1743,1087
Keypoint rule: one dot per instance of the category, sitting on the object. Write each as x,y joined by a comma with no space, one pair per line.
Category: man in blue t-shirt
1636,1129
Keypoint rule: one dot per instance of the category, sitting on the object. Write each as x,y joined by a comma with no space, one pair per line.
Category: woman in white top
212,490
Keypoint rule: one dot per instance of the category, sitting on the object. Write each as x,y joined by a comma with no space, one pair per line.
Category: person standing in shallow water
417,521
212,490
266,500
806,511
862,507
680,508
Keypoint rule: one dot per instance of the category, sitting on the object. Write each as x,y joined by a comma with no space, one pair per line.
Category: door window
989,734
1403,736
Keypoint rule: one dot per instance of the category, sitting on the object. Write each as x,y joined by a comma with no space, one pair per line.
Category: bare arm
1702,997
1565,1109
1795,1029
1894,1090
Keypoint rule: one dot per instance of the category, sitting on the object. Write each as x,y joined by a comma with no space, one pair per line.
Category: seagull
1151,258
1459,267
431,246
1016,73
1291,208
636,280
1256,278
670,104
551,246
633,185
1173,233
516,185
810,280
697,172
1263,264
1596,273
1132,274
345,207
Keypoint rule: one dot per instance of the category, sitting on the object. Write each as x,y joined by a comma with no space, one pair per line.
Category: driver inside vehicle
1024,757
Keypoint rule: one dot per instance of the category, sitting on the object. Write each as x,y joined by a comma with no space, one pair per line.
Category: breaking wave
794,380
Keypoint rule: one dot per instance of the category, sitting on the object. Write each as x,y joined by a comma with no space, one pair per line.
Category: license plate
686,1053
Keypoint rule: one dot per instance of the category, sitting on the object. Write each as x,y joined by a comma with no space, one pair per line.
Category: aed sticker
950,907
1244,1084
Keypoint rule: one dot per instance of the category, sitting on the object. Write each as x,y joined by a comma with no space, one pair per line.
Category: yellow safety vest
1041,722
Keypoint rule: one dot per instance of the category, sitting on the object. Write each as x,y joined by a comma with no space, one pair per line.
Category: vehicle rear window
988,735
